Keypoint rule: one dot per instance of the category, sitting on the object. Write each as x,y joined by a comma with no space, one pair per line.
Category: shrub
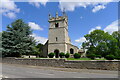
77,55
92,56
98,56
117,57
62,55
67,55
110,57
51,55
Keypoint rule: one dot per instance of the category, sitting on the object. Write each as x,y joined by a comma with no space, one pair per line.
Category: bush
110,57
117,57
92,56
51,55
62,55
98,56
67,55
77,55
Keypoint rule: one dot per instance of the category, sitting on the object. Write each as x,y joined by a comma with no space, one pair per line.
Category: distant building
58,40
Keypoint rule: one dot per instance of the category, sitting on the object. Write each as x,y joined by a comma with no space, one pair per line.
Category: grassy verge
78,59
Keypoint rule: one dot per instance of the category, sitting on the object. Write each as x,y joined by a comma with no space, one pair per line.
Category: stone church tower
58,40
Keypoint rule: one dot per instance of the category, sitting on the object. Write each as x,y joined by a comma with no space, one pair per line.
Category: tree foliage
16,40
102,43
38,49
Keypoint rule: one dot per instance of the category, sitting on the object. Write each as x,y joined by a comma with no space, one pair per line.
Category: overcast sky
82,17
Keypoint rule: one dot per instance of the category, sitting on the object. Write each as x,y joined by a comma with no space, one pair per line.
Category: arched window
71,51
56,25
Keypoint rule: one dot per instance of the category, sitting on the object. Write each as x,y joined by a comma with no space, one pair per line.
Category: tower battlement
57,17
60,18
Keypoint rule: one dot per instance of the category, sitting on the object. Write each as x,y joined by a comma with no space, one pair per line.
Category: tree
102,49
38,49
101,43
16,40
116,35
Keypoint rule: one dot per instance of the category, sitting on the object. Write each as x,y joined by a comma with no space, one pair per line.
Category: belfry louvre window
56,25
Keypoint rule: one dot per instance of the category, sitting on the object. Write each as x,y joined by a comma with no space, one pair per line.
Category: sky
83,17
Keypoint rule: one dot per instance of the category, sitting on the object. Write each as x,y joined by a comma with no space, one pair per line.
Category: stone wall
100,65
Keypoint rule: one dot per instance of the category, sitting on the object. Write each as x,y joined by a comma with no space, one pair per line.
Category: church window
56,39
71,51
56,25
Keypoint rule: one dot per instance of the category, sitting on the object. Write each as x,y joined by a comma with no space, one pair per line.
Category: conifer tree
16,40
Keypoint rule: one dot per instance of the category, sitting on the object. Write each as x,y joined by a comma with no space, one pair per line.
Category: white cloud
70,6
9,8
92,29
11,15
34,26
80,40
39,39
37,3
97,8
112,27
98,27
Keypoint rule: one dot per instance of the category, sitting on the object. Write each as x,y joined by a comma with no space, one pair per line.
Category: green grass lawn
101,59
78,59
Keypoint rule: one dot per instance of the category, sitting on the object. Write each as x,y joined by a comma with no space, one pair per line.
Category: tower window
56,25
56,39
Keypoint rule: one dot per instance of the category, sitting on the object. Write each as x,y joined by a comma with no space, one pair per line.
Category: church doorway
71,51
56,53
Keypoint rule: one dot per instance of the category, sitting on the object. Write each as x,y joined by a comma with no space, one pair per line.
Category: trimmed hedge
98,56
92,56
67,55
110,57
77,55
62,55
117,57
51,55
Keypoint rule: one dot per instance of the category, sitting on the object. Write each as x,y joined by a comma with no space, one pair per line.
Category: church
58,38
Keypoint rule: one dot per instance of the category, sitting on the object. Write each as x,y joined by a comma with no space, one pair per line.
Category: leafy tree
102,49
16,40
38,49
101,43
116,35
